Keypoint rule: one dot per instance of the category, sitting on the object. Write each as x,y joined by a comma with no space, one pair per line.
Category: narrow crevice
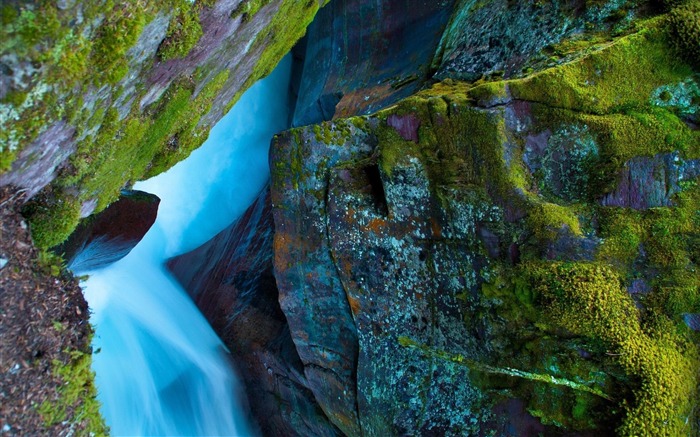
377,188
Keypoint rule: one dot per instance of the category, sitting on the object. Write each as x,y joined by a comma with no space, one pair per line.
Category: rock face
649,182
109,236
503,37
499,257
362,56
230,278
395,234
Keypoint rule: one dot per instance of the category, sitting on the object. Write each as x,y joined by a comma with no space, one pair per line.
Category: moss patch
685,25
588,300
184,31
78,390
622,74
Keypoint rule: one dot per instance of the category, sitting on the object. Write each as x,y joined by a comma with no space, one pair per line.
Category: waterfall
160,369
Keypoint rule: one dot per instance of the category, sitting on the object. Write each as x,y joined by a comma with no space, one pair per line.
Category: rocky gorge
484,221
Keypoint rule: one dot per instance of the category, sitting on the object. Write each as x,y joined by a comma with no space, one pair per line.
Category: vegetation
118,141
619,76
119,31
685,24
248,8
78,390
54,215
587,300
183,33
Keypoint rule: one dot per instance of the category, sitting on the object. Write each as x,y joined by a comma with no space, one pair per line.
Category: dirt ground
43,316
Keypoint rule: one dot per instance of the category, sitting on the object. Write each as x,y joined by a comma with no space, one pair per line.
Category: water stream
160,369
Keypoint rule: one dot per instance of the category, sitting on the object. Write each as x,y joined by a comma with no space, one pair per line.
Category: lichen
622,74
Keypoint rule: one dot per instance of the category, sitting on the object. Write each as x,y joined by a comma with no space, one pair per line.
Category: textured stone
487,37
361,56
37,164
109,236
648,182
230,279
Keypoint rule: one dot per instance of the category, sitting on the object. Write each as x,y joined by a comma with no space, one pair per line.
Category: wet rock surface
109,236
231,280
350,69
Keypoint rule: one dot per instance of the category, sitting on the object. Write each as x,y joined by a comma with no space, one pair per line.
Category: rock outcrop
502,256
231,280
95,96
408,249
361,56
109,236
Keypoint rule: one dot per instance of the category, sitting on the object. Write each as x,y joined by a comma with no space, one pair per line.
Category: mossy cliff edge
505,256
97,95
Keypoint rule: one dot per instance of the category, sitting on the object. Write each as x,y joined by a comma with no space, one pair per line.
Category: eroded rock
109,236
231,280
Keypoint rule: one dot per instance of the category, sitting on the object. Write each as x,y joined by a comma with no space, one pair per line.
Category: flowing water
160,369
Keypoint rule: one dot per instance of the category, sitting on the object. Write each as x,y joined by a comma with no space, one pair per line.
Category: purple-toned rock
230,278
648,182
37,164
406,125
109,236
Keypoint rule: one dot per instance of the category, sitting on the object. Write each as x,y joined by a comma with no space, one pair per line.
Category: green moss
685,25
175,133
332,132
489,92
546,220
459,145
622,232
184,32
588,300
119,31
15,98
392,149
52,218
77,401
34,26
248,8
622,136
620,75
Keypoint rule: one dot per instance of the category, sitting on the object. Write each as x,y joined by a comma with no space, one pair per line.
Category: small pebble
3,262
692,320
6,428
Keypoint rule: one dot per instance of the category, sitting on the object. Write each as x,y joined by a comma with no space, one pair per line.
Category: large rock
230,278
361,56
109,236
94,101
404,242
649,182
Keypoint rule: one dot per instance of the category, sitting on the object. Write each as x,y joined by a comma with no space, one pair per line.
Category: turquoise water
160,369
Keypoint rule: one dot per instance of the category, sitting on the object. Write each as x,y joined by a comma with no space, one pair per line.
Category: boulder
109,236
